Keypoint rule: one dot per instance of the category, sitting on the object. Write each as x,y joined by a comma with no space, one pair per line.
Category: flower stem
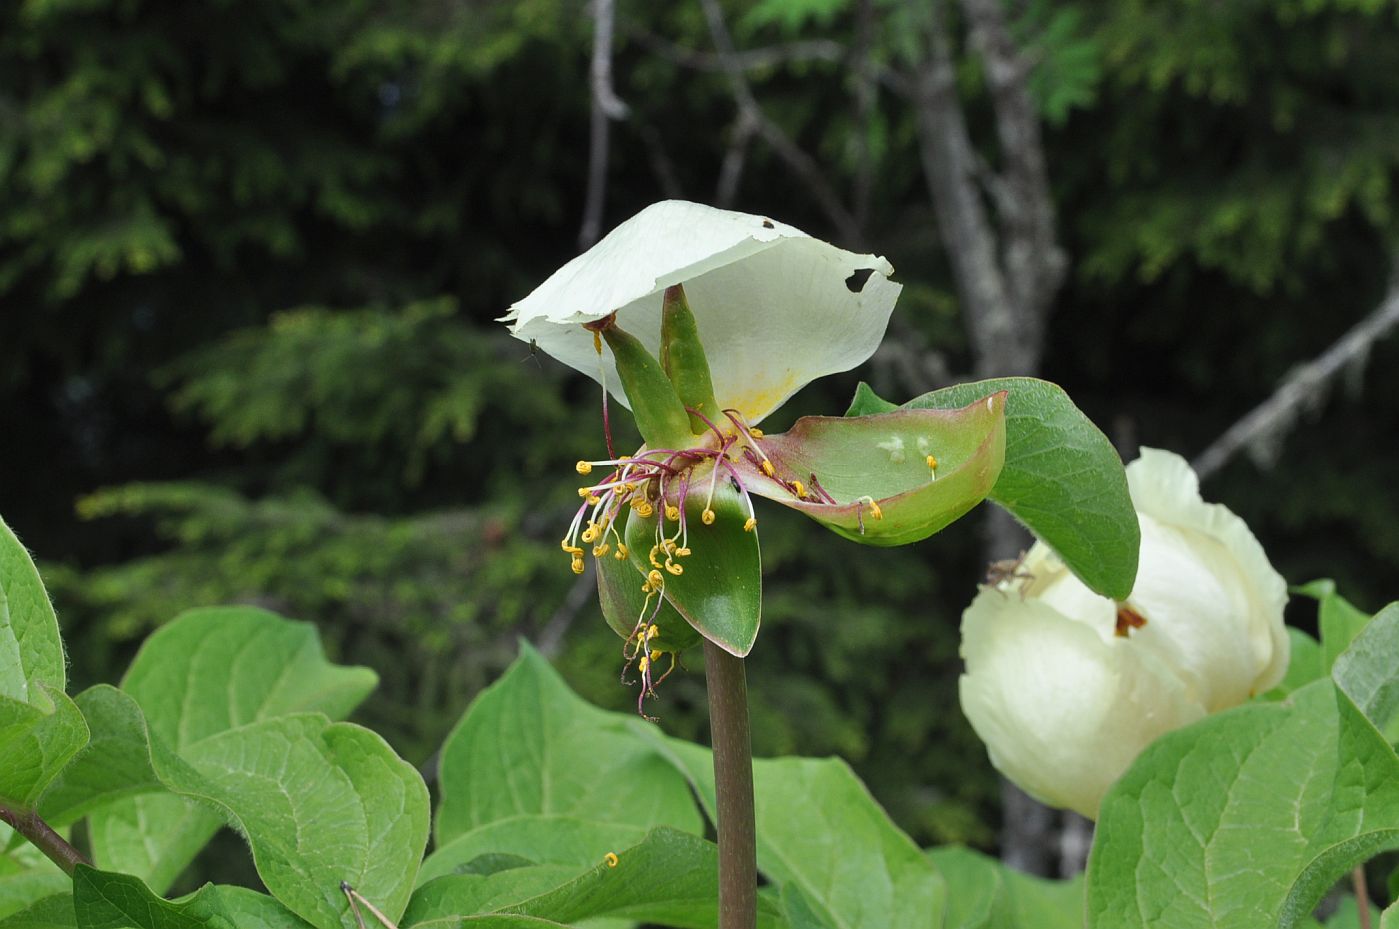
733,788
29,825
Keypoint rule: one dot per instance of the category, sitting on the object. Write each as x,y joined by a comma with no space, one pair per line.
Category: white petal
1062,711
1232,590
772,304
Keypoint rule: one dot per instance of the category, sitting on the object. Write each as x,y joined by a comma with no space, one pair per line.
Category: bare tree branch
866,81
950,167
1034,262
551,637
735,157
752,59
1263,428
606,106
801,164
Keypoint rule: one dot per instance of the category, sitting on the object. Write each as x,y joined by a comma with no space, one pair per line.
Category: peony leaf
1245,818
528,746
876,469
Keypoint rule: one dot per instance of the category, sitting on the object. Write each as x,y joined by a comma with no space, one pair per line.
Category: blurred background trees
251,255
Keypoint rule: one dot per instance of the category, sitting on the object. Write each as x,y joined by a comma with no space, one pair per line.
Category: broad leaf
472,894
25,889
1338,621
670,879
1368,671
988,895
875,468
103,900
567,841
1245,818
1062,478
201,674
528,746
52,912
40,728
821,831
31,651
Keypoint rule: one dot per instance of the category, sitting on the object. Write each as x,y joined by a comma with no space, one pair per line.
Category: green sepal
883,458
682,357
1062,477
619,593
721,592
659,414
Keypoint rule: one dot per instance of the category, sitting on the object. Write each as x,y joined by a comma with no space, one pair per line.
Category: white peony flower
1066,687
776,308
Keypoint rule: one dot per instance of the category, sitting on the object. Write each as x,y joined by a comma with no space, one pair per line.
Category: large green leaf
51,912
1338,621
821,831
40,728
988,895
670,878
566,841
1061,478
31,651
720,593
528,746
102,900
876,469
1245,818
201,674
1368,671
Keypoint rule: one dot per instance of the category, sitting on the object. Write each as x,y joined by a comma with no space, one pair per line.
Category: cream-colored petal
1164,488
772,304
1062,712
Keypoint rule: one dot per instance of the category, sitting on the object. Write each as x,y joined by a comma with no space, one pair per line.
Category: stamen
932,468
583,467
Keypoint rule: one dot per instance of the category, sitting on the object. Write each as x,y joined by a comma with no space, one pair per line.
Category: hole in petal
856,281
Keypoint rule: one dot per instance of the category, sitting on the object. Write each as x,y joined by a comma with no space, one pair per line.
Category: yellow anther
675,569
932,462
593,499
611,857
570,549
597,341
643,664
644,509
755,433
767,467
682,552
601,549
799,488
707,517
621,553
750,524
656,579
672,512
656,655
624,457
652,631
622,550
583,467
585,491
577,564
590,534
875,511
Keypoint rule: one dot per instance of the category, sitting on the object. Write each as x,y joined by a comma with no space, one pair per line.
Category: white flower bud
1066,687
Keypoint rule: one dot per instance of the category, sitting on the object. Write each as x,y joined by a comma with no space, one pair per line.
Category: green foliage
558,757
1061,478
987,895
1285,798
